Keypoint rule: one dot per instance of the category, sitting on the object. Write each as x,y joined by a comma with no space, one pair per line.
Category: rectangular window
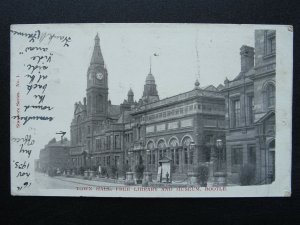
103,144
251,109
236,159
111,142
117,141
108,142
181,110
108,160
98,144
270,43
273,45
236,113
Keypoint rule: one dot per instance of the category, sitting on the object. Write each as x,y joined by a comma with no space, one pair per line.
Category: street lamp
147,161
220,176
129,155
219,145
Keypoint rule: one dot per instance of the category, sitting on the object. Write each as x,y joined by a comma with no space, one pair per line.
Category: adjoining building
55,155
183,127
250,112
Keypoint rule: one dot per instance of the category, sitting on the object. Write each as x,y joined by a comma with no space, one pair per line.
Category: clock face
99,76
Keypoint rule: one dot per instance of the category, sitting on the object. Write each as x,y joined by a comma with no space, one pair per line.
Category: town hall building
183,128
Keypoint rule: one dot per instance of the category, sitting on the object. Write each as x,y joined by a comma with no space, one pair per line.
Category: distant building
54,155
250,111
183,127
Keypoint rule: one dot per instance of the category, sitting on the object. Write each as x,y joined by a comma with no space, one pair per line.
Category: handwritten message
33,60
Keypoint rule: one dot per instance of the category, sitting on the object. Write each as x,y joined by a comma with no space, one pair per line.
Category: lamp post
219,145
129,156
129,175
147,173
147,161
192,176
220,176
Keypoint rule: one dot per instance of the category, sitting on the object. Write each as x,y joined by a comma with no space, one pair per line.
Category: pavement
43,181
62,182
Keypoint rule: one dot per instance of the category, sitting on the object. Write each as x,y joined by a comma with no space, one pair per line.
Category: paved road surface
45,182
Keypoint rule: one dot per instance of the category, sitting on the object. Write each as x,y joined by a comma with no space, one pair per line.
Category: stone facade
250,112
183,128
54,155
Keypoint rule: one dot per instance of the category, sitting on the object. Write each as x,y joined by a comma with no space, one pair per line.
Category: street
43,181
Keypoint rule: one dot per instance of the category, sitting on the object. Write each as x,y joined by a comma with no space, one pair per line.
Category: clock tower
97,85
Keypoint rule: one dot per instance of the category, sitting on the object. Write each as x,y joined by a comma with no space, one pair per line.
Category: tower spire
97,40
97,57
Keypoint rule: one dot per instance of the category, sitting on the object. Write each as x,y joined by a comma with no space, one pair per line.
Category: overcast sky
126,50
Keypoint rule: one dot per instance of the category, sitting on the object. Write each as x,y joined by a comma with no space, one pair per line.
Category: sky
127,49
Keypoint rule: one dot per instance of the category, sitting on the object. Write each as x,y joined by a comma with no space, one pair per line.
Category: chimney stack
247,58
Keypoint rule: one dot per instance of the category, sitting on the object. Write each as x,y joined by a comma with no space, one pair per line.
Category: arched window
174,151
186,151
270,94
161,147
151,156
150,145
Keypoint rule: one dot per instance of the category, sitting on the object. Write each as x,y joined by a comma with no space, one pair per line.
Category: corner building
183,128
250,111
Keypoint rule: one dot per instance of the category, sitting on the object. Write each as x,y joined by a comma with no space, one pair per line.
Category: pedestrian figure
167,175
